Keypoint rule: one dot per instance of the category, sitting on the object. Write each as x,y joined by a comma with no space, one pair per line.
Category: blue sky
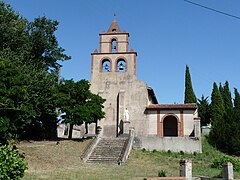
166,34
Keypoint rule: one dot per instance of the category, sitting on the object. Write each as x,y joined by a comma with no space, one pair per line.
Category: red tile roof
191,106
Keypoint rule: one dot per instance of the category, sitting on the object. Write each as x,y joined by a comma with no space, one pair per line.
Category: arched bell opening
121,65
106,65
114,45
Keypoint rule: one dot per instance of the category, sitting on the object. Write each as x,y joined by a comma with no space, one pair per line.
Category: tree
216,135
234,141
14,105
29,55
220,88
189,93
236,101
79,104
204,110
227,99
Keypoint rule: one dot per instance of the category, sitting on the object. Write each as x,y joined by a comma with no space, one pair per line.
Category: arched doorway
170,126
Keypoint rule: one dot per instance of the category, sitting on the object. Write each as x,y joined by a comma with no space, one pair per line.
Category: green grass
50,161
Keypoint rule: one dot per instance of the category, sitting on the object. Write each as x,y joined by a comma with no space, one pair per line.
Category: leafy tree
79,104
14,105
204,110
29,55
189,93
45,50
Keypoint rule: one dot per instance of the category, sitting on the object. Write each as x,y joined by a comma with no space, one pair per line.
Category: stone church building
130,103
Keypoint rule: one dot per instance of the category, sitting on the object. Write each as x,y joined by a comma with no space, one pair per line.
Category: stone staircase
108,150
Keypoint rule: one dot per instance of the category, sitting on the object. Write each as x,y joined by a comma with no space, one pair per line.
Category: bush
154,151
161,173
181,152
218,162
12,164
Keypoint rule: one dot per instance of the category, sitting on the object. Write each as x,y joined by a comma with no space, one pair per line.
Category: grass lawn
47,160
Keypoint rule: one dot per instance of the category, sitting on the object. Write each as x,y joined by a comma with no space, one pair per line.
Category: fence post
186,168
227,171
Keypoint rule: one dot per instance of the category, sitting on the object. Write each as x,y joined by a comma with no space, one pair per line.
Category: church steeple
114,27
114,40
113,57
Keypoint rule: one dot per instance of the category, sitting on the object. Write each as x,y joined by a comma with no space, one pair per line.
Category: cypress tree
229,124
227,99
236,101
217,133
234,142
189,96
220,88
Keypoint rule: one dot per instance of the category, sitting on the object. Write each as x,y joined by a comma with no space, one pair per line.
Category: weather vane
115,16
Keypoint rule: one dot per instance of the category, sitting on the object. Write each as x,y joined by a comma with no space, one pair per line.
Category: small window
114,30
106,65
114,45
121,65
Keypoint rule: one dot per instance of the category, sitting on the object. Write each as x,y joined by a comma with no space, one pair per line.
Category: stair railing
127,148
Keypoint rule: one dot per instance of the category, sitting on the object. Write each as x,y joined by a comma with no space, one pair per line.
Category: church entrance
170,126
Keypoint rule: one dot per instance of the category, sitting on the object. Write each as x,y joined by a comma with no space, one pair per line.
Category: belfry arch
114,45
106,65
121,65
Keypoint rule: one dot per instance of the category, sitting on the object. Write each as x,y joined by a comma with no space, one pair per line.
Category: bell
121,67
106,67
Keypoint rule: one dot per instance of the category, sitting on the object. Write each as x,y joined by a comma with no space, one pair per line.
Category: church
131,104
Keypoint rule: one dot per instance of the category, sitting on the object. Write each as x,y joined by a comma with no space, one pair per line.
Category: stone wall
175,144
78,131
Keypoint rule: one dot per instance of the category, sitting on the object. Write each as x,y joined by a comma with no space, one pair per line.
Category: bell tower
113,59
113,76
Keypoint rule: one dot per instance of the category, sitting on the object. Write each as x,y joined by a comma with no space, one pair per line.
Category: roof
190,106
114,27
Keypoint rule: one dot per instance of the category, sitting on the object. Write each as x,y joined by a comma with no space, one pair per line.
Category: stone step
103,158
108,150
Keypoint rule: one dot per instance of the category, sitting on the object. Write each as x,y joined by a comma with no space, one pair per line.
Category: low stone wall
175,144
78,131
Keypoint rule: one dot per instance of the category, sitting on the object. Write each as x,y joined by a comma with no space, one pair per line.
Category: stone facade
113,76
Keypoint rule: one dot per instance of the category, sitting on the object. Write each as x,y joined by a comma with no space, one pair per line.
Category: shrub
12,164
161,173
218,162
154,151
181,152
